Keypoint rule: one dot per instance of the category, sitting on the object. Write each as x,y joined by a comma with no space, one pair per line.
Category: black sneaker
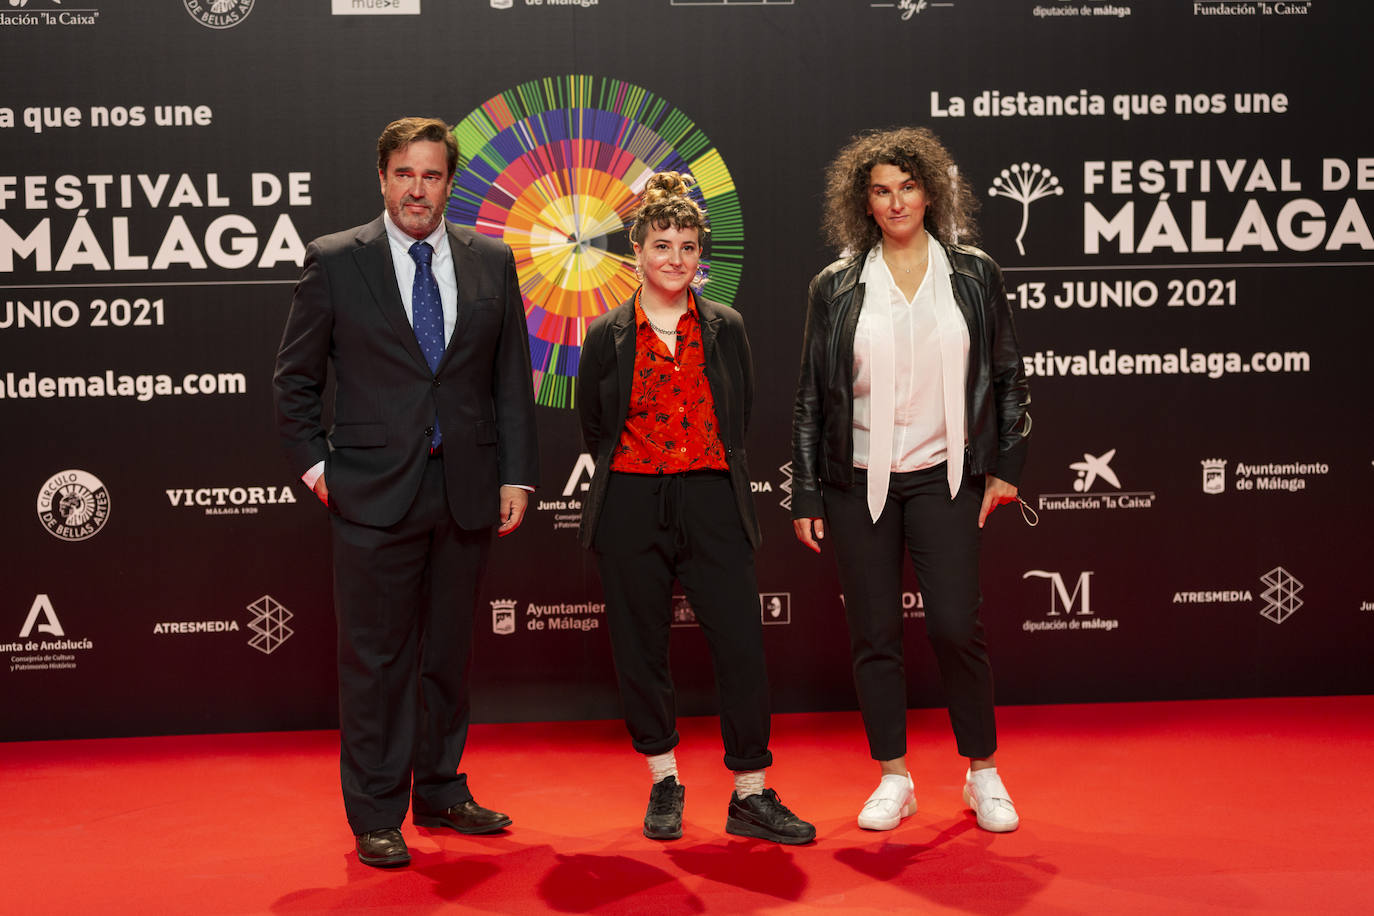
764,816
663,820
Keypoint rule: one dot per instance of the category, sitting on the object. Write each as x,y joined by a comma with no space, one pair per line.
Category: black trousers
942,537
652,530
405,597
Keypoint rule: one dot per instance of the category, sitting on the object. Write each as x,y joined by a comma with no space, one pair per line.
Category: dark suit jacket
347,310
604,375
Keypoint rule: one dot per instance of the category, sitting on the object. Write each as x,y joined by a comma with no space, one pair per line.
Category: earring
702,274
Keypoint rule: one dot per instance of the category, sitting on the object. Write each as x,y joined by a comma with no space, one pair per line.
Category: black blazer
347,310
606,371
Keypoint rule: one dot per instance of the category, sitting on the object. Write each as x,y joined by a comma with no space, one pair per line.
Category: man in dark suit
432,445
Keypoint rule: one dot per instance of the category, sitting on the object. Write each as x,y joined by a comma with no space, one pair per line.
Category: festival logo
554,168
219,14
268,621
73,505
1025,183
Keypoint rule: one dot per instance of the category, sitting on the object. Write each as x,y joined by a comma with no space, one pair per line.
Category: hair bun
664,186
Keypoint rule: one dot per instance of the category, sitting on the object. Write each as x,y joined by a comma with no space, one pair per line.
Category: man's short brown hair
406,131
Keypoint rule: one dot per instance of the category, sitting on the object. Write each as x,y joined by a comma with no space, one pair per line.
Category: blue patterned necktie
427,314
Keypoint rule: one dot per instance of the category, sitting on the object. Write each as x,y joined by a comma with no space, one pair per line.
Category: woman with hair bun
664,389
910,426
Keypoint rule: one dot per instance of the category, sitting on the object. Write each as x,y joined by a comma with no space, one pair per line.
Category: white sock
748,782
661,766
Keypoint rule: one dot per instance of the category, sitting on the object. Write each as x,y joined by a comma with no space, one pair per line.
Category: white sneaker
894,799
989,799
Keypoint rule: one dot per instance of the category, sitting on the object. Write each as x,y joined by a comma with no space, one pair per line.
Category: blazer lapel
625,334
710,324
466,266
373,257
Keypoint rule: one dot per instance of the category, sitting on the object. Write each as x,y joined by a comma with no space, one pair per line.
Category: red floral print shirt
671,424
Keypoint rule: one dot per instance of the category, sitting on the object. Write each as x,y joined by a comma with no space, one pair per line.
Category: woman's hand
810,531
995,492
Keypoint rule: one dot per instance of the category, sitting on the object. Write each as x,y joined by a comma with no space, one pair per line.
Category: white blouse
920,438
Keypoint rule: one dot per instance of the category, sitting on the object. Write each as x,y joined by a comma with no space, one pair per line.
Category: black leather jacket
823,416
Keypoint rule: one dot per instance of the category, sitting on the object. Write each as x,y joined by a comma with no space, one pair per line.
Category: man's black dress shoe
469,817
765,816
663,820
383,848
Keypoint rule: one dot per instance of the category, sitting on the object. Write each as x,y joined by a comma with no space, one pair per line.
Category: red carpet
1256,806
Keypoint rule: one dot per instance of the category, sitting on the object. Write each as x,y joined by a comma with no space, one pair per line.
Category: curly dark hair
950,203
667,202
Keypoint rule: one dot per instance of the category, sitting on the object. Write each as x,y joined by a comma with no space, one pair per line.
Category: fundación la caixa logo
46,13
1093,475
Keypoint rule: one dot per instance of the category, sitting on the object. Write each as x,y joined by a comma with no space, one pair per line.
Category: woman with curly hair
910,426
664,389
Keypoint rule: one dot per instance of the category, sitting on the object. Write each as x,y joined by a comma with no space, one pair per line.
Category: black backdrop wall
1179,193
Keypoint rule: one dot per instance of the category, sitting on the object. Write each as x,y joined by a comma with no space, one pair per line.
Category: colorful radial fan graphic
554,168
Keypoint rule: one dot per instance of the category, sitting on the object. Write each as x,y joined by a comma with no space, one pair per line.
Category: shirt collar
404,241
642,319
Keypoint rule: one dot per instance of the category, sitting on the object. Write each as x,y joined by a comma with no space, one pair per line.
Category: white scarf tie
878,290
